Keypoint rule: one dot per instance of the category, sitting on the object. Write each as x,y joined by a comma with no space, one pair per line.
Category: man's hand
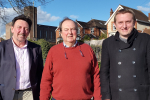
107,99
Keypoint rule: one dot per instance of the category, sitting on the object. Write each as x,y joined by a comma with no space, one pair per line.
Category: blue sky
83,10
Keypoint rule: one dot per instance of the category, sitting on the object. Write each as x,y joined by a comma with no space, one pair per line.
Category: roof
97,23
83,24
139,15
52,27
93,23
146,31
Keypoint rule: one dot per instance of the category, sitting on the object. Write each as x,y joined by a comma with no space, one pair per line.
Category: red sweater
74,78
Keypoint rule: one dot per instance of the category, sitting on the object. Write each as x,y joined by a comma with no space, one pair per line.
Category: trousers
23,95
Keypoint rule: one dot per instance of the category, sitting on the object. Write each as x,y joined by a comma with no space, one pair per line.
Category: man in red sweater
71,70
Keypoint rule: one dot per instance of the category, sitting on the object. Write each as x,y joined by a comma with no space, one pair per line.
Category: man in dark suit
21,64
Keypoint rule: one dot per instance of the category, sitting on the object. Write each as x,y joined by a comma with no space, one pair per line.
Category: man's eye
73,29
19,27
65,29
26,29
128,21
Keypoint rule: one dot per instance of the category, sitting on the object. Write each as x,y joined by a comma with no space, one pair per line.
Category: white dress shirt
22,67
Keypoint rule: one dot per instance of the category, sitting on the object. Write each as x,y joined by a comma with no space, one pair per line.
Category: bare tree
17,6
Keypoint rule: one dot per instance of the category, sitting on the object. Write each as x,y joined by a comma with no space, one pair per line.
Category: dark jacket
125,67
8,69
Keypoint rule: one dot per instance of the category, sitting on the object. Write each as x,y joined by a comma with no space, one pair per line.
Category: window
40,34
59,33
92,30
78,30
51,35
46,34
101,23
83,31
114,28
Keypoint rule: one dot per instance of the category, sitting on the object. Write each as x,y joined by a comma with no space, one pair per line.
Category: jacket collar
131,38
134,34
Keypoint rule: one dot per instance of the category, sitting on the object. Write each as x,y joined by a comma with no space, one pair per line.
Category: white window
92,30
83,31
78,30
114,28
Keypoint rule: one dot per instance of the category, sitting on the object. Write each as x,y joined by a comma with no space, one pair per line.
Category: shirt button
135,89
134,49
14,76
119,63
119,50
133,62
119,76
120,89
134,75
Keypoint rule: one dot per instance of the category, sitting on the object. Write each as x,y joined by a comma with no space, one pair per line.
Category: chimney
111,12
149,17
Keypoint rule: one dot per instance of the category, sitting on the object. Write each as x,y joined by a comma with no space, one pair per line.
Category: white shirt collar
17,46
68,46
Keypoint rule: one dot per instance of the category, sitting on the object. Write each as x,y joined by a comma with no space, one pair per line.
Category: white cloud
148,4
74,16
9,13
147,9
3,36
43,16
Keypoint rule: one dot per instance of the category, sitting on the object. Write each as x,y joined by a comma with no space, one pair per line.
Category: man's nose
22,30
124,25
70,30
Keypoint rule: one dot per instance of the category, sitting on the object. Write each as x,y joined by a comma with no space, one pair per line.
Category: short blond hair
123,11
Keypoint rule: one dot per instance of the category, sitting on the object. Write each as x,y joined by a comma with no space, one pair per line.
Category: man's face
69,32
20,31
124,24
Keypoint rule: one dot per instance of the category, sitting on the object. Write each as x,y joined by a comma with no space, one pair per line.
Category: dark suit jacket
8,69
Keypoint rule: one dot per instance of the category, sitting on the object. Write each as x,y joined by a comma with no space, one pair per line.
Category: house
94,28
146,31
142,21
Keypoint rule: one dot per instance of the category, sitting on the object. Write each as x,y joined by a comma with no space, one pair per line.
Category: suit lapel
11,52
30,55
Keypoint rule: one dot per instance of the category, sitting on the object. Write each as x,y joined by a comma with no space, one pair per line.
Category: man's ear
134,23
12,29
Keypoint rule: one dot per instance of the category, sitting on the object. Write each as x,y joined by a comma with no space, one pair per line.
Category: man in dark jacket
21,63
125,65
